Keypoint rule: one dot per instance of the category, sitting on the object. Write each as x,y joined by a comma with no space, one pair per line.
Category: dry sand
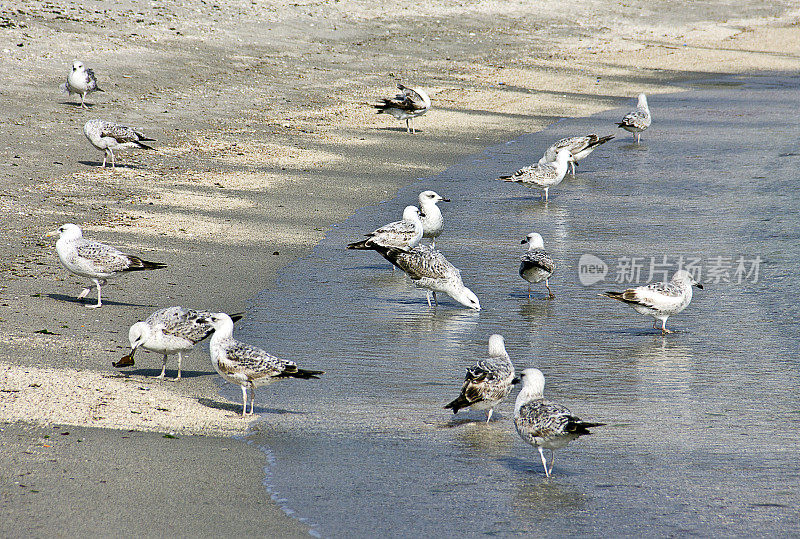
265,138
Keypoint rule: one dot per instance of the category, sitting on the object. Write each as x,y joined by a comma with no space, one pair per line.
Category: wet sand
265,139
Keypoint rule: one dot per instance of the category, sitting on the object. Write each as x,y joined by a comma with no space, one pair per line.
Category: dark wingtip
236,317
144,146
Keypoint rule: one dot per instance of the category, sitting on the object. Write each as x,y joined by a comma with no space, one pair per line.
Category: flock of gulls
176,330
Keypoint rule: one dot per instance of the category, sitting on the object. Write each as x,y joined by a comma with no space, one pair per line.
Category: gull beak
52,233
516,380
698,285
444,200
523,242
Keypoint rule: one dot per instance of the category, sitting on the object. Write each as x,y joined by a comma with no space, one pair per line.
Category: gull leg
664,329
544,462
550,292
433,243
163,368
408,126
428,295
435,301
552,461
179,366
105,155
489,415
252,398
244,401
112,157
84,293
529,292
99,301
546,189
83,105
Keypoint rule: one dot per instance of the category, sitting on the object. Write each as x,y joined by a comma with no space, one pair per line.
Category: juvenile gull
429,269
660,300
542,175
247,366
638,120
489,382
94,260
579,147
431,216
399,234
171,330
536,265
80,81
108,136
407,105
543,424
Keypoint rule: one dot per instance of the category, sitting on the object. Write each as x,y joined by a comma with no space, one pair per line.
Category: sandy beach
265,138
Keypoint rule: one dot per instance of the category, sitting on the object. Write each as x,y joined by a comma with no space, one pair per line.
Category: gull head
532,382
564,155
77,65
534,241
411,213
683,276
68,231
427,197
467,298
642,101
220,322
497,346
138,335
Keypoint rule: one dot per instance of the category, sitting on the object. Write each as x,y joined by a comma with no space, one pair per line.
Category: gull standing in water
543,175
108,136
638,120
403,234
489,382
543,424
247,366
659,300
94,260
536,265
429,269
407,105
431,216
579,147
171,330
80,81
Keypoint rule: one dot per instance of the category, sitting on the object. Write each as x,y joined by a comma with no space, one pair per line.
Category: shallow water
702,425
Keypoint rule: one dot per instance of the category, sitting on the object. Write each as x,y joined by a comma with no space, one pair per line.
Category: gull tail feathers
301,373
137,264
457,404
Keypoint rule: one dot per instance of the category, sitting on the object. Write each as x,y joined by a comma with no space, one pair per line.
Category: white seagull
94,260
659,300
108,136
489,382
429,269
431,216
536,265
407,105
542,175
543,424
579,147
80,81
245,365
638,120
403,234
171,330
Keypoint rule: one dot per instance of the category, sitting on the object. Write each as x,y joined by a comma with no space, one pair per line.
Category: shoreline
271,161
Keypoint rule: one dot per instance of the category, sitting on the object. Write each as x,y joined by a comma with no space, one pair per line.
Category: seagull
544,424
638,120
536,265
431,216
543,175
171,330
579,147
660,300
108,136
245,365
489,382
429,269
403,234
407,105
80,81
94,260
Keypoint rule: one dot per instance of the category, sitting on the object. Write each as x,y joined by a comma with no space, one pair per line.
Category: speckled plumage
542,175
80,81
398,234
659,300
488,382
410,103
638,120
245,365
544,424
536,264
109,136
94,260
580,147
